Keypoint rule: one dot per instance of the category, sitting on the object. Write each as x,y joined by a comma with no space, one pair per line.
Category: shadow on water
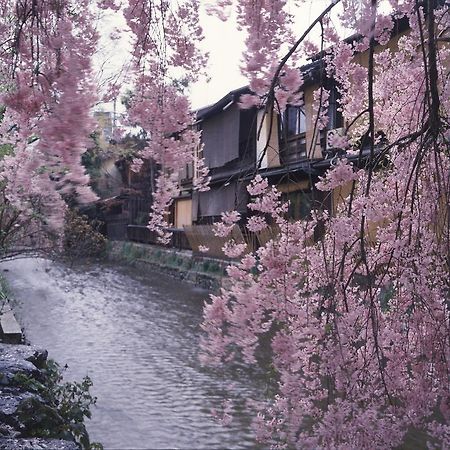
137,337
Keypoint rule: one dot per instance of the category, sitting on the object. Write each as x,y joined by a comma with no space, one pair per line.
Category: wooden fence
116,228
204,236
196,236
139,233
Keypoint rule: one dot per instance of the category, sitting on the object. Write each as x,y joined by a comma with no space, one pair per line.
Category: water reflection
137,337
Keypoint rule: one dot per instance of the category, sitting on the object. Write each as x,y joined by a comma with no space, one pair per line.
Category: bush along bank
37,409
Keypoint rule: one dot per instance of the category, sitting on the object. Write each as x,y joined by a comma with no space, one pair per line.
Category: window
334,114
301,204
293,134
295,121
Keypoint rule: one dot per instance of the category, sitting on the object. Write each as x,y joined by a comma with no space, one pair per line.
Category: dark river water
137,338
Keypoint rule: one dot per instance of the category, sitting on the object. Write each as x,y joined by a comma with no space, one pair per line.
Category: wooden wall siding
442,224
270,156
340,196
203,235
220,135
247,136
138,210
223,198
268,234
116,229
294,186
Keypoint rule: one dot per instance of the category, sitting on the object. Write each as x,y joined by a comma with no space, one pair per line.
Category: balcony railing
293,150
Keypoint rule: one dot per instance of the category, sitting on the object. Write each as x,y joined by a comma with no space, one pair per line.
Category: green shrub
63,410
171,259
81,237
214,268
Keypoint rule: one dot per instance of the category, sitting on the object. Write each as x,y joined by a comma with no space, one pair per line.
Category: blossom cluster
357,318
47,93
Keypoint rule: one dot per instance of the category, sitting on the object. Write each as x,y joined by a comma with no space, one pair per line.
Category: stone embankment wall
24,412
204,272
19,401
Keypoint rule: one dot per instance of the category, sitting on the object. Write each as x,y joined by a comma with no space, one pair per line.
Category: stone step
10,328
36,444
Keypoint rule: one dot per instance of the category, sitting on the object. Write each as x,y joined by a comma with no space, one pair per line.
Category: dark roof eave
231,97
314,167
234,174
354,158
305,166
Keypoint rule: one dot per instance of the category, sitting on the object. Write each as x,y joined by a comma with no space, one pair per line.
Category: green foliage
92,160
180,84
127,98
171,259
215,267
61,408
4,293
386,294
5,150
131,252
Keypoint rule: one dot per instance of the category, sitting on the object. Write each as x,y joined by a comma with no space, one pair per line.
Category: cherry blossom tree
358,322
47,93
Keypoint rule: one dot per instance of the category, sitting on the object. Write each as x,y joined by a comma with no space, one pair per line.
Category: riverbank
24,413
37,410
207,273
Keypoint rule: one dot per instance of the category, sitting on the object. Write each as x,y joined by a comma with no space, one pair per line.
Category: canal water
137,338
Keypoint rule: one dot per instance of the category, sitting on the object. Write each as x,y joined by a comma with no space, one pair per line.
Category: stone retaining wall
18,402
208,273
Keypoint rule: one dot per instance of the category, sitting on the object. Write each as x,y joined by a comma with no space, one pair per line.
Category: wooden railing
140,233
116,228
203,236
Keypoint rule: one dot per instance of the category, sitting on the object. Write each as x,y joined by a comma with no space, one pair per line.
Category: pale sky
225,45
223,42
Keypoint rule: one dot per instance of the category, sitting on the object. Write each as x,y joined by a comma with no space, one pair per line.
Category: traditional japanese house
228,135
291,150
291,143
229,151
